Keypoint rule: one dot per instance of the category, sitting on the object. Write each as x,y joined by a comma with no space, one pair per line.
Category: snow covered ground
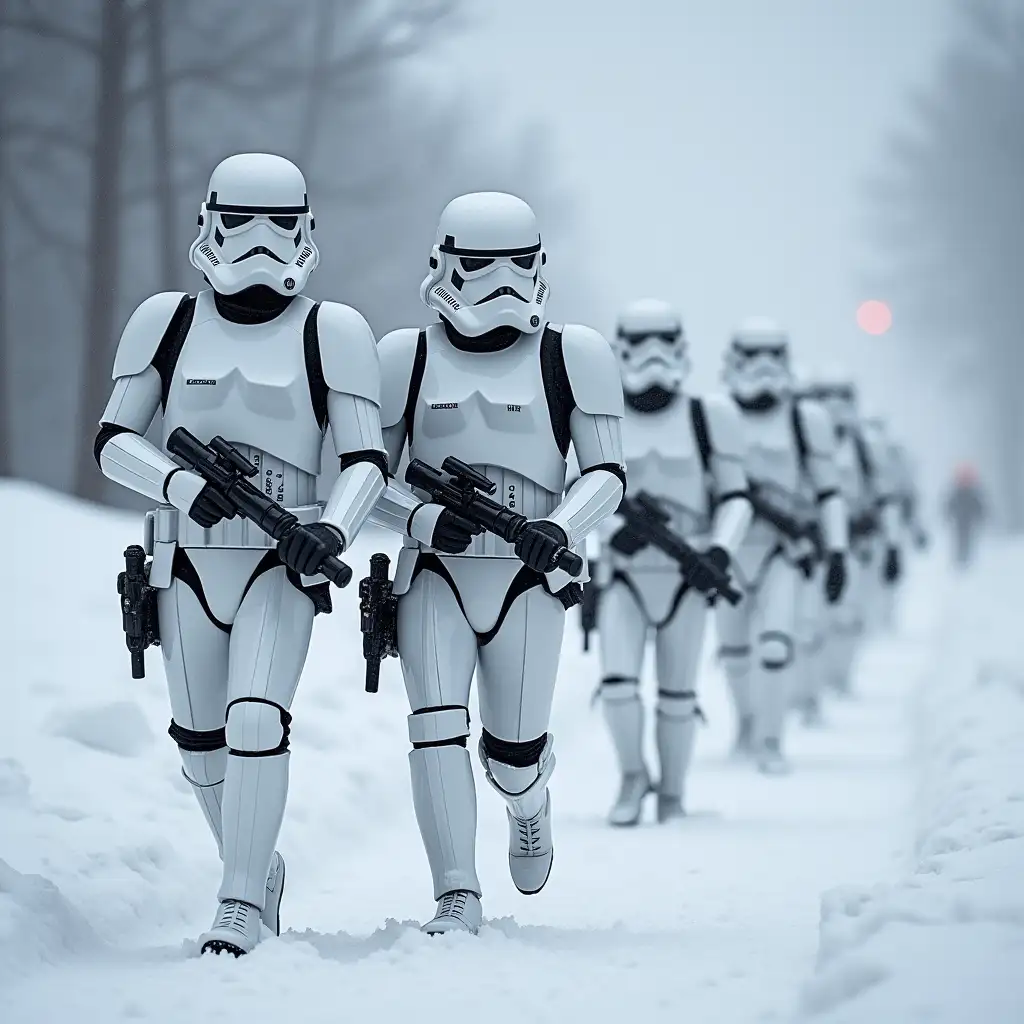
906,814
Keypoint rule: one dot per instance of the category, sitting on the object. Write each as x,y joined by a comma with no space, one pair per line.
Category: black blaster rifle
790,526
646,517
378,620
138,608
225,468
459,488
864,525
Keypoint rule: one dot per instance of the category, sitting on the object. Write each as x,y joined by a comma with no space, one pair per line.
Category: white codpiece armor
688,454
509,403
791,467
268,372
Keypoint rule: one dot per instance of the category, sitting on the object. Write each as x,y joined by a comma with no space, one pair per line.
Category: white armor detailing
348,353
141,335
728,475
486,267
483,420
255,227
247,379
353,496
592,372
397,353
651,347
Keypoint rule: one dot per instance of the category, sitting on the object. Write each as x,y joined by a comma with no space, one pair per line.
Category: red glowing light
874,317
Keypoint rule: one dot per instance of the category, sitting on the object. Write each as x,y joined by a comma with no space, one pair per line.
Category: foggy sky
716,149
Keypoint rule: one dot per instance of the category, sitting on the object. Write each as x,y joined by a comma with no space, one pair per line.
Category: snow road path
712,920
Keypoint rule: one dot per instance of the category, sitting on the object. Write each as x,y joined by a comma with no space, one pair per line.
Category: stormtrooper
497,386
791,468
254,361
687,452
867,484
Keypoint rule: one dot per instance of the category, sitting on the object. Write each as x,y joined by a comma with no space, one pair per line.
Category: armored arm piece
122,452
821,466
396,504
733,511
886,485
351,371
595,426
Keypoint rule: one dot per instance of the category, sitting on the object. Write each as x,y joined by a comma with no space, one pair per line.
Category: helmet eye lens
235,220
526,262
639,337
287,223
471,264
753,351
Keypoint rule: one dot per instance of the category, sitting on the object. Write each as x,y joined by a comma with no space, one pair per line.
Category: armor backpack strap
557,387
165,359
419,365
864,460
800,436
701,434
314,366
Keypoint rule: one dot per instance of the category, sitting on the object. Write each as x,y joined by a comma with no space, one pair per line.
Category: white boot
530,847
629,804
670,808
770,759
235,929
457,911
271,915
743,745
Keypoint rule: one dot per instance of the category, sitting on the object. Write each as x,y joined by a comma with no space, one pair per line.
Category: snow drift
946,942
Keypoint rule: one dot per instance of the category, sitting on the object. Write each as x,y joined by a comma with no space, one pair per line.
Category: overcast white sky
716,147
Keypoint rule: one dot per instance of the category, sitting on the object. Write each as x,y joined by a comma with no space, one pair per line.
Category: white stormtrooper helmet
837,391
255,226
757,370
651,347
486,265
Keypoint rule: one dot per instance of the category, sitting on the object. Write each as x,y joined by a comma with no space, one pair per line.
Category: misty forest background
114,112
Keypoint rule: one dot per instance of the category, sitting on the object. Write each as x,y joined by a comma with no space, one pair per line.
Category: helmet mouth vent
258,250
498,293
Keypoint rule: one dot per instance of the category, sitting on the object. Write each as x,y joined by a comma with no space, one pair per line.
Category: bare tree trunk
103,241
6,385
166,198
324,19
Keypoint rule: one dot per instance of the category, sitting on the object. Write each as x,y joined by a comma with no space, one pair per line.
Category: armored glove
210,507
835,576
893,568
539,544
305,548
702,577
450,533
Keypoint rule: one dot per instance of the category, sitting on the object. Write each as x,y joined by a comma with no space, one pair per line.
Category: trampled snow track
715,919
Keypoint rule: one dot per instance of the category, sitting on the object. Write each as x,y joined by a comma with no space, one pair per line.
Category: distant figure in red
966,510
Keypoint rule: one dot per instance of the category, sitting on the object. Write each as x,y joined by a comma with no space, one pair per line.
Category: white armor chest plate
662,459
247,383
489,410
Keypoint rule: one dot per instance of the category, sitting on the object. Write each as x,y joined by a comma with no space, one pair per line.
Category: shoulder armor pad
819,430
725,427
347,352
593,371
397,352
142,334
